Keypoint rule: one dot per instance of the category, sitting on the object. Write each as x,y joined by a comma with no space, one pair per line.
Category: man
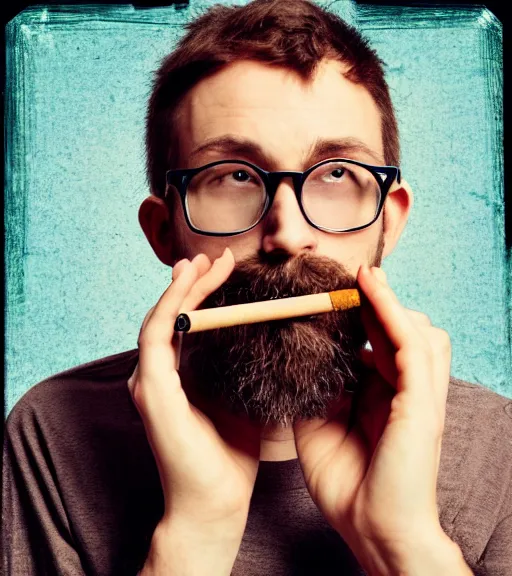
288,447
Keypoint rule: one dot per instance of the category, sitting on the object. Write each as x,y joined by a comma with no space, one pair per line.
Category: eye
337,172
241,176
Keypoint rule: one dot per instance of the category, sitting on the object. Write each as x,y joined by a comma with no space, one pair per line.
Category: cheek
352,249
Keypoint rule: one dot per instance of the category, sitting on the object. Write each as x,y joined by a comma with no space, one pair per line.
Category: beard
282,371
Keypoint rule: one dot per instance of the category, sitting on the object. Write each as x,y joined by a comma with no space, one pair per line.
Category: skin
375,482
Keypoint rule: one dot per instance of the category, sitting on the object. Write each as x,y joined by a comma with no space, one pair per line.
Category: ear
156,224
398,205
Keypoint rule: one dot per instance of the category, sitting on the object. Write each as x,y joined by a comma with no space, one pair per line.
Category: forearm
183,550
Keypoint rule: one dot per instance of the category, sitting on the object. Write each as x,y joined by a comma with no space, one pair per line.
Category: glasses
230,197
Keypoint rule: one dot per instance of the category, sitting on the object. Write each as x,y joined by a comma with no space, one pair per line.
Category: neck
277,443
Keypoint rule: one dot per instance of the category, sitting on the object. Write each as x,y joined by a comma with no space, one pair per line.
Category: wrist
430,554
181,548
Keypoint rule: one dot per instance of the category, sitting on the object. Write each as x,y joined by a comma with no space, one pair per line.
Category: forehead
273,107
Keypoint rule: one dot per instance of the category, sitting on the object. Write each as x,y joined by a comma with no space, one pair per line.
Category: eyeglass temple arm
398,183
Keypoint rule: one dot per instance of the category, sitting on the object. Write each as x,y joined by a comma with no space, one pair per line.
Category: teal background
80,275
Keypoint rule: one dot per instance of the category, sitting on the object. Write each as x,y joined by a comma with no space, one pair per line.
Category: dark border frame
498,7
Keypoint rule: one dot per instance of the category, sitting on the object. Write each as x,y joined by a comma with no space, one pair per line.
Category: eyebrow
345,147
235,146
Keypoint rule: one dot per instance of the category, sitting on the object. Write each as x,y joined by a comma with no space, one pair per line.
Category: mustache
265,277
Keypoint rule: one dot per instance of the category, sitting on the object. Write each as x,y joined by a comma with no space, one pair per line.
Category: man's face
279,372
285,119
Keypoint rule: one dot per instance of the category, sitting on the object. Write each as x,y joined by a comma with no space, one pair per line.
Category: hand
375,481
207,465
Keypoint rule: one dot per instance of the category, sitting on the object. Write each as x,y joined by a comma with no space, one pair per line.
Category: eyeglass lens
232,197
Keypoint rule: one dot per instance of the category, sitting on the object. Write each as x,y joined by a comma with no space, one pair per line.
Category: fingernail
179,265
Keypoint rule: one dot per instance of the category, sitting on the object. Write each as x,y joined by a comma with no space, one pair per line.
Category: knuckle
441,340
424,318
132,380
413,354
419,318
138,396
147,317
133,385
146,340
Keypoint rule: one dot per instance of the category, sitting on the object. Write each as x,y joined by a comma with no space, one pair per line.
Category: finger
383,352
178,267
198,292
401,347
160,326
419,318
392,316
440,344
441,353
175,273
373,408
214,277
146,319
202,263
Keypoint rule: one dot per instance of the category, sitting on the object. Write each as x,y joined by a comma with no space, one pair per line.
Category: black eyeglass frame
181,178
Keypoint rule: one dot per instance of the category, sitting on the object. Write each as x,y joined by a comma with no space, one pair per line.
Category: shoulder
480,408
478,423
479,426
470,389
76,467
475,473
85,388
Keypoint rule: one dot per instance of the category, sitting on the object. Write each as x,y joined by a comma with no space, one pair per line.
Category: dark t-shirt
82,493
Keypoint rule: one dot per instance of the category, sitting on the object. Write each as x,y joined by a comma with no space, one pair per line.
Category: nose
285,230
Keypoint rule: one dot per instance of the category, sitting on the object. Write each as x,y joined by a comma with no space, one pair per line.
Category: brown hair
295,35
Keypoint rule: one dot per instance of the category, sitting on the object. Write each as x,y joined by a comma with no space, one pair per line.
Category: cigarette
225,316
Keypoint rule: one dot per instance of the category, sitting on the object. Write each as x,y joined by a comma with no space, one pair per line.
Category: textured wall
80,274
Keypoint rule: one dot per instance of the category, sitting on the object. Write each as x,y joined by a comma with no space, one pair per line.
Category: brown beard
287,370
